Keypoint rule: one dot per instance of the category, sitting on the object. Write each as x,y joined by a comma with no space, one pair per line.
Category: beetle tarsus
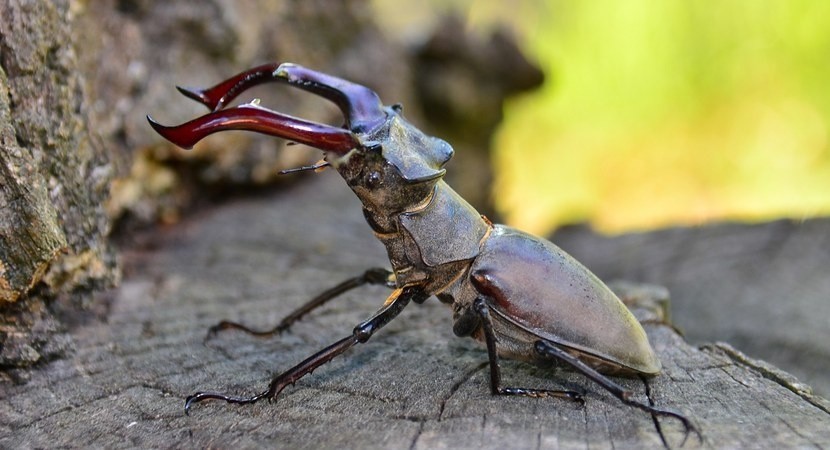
542,393
393,306
201,396
374,276
552,351
228,325
496,388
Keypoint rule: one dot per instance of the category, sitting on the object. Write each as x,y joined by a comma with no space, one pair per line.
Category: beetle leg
396,302
495,372
372,276
550,350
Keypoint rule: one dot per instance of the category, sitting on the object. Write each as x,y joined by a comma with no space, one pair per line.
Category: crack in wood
657,425
798,433
417,436
768,372
457,385
608,427
587,428
339,389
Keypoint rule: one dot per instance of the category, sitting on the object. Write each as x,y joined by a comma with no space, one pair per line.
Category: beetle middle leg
393,305
495,372
375,276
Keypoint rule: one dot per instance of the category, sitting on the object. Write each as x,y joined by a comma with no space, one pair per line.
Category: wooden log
414,385
761,287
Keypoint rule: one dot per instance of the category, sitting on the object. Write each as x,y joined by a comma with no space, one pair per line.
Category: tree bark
53,181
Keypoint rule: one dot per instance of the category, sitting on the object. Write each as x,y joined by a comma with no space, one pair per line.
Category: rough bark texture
763,288
414,385
54,181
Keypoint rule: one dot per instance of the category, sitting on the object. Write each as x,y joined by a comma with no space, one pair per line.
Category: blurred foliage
661,112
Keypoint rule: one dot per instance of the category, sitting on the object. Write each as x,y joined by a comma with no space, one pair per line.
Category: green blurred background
658,112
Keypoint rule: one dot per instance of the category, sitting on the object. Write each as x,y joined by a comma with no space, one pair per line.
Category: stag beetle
519,294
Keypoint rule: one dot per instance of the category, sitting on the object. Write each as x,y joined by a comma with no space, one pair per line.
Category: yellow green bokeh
663,112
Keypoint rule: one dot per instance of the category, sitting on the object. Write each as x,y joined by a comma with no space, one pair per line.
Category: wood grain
414,385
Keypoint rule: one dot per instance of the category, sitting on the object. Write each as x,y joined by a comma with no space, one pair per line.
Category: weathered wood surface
764,288
414,385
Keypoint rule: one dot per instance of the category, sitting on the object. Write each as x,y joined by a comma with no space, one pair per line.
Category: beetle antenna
318,166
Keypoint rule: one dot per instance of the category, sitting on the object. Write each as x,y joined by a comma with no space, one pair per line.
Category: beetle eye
374,148
373,180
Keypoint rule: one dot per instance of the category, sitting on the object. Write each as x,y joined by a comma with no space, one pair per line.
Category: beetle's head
396,165
386,161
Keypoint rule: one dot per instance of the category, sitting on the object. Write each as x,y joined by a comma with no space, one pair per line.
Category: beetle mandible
519,294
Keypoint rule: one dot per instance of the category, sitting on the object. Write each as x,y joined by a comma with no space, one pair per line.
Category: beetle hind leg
550,350
375,276
496,388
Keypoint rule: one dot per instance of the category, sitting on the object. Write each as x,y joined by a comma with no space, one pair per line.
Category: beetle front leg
550,350
361,333
373,276
495,372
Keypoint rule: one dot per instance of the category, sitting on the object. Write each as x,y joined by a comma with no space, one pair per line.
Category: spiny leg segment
374,276
361,333
495,372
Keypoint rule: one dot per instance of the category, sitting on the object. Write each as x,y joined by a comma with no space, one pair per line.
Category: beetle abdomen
548,293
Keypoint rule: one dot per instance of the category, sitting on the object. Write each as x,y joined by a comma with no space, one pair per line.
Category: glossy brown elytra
519,294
